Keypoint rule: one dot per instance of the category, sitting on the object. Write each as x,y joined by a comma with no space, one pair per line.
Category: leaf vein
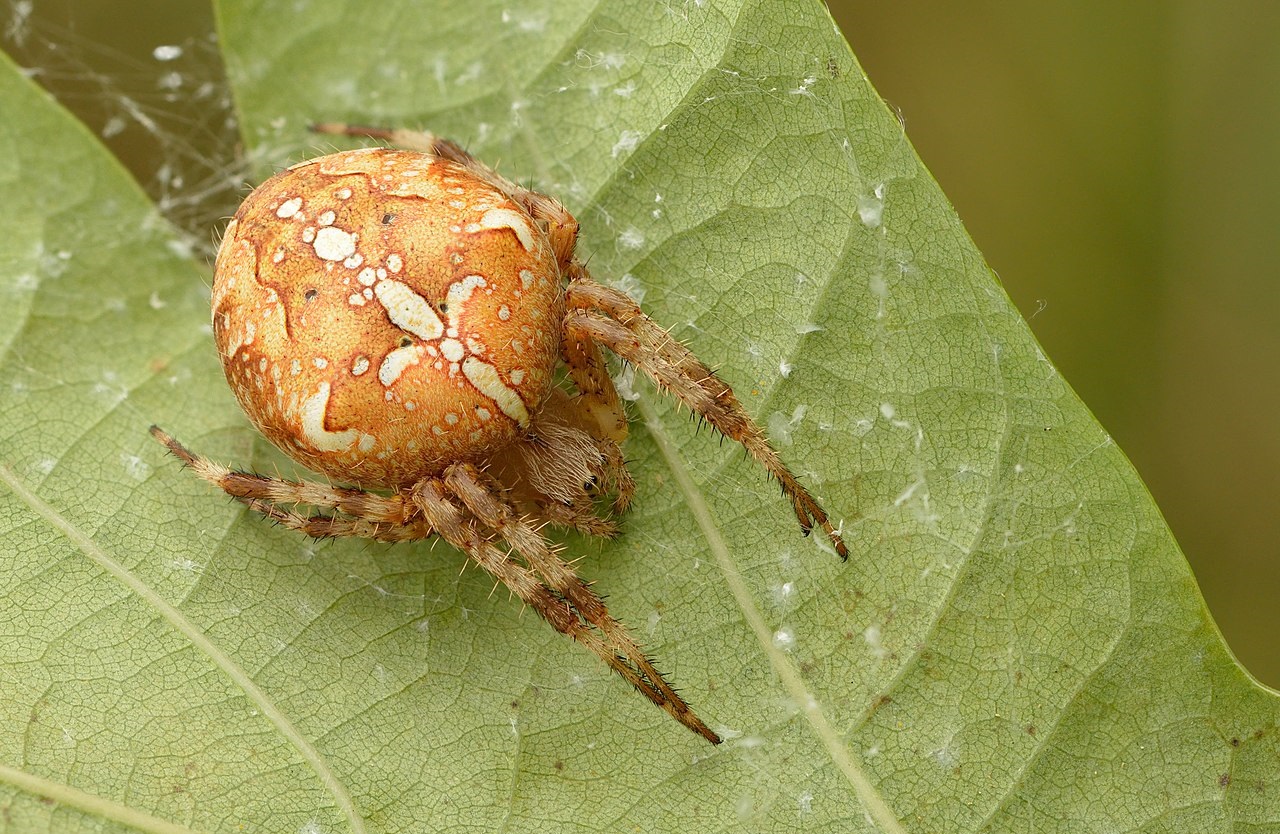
198,639
873,802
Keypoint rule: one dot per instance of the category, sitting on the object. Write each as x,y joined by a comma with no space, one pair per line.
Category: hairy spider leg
560,596
562,607
380,517
354,502
337,527
612,319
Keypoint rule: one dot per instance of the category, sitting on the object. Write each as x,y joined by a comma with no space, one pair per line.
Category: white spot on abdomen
408,310
313,430
460,292
289,208
486,380
452,350
395,363
334,244
499,218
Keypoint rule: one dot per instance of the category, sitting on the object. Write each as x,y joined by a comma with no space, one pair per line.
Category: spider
394,318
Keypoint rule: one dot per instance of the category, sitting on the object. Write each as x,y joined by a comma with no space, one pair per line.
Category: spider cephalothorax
394,319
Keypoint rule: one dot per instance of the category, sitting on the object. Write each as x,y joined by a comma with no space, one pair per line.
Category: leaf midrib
873,802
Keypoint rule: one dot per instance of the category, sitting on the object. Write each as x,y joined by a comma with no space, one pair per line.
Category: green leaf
1017,643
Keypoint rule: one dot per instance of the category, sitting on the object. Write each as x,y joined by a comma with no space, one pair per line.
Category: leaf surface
1016,644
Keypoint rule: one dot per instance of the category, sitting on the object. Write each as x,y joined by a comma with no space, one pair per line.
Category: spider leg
580,517
333,527
611,318
258,490
563,599
468,484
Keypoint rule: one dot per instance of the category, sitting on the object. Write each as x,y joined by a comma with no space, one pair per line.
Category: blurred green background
1118,164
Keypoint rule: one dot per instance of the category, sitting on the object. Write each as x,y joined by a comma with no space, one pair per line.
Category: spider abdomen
381,314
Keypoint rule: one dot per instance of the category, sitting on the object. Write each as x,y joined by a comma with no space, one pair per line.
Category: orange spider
394,319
